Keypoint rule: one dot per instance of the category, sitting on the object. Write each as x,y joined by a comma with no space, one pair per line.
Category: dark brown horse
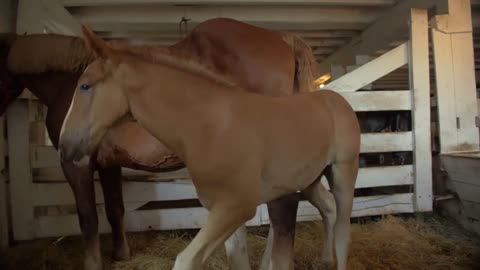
264,61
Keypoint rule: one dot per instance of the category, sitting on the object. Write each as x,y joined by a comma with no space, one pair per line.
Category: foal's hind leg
236,248
81,182
278,253
342,183
324,201
111,180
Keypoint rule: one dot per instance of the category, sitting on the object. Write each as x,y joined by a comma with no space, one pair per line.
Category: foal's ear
99,47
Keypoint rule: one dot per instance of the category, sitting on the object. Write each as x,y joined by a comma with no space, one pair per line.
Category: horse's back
257,58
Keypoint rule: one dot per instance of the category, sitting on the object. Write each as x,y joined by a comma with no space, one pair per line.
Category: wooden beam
420,85
76,3
391,26
19,171
138,18
4,232
455,79
374,70
379,100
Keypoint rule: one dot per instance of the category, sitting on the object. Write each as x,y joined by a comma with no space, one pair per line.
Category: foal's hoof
121,253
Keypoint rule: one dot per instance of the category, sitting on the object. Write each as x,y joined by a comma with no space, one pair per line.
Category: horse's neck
51,88
183,104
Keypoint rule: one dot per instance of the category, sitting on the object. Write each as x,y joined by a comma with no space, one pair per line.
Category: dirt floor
429,242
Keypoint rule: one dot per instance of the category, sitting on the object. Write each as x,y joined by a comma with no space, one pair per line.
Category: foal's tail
306,68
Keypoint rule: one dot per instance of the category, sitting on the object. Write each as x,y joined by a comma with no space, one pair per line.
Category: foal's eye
84,87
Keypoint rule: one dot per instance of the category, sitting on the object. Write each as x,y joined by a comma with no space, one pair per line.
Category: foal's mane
162,55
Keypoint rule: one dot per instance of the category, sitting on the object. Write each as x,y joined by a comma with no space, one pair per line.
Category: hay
390,243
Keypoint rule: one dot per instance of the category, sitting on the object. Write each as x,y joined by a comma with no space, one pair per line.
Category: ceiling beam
77,3
391,26
175,34
146,14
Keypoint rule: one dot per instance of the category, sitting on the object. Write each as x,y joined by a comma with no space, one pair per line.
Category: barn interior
410,69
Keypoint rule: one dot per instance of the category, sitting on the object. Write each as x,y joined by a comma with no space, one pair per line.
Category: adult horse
242,149
263,61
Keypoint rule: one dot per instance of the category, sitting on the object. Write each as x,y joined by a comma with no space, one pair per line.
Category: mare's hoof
121,253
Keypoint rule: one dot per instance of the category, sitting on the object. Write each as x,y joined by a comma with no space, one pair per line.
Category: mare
242,149
49,65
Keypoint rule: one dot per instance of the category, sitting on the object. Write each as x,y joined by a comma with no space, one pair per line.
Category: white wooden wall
37,182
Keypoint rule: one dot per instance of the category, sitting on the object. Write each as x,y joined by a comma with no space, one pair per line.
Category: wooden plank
420,85
46,194
135,221
455,79
386,142
49,194
371,71
187,218
362,206
384,176
19,171
379,100
75,3
465,91
4,235
445,100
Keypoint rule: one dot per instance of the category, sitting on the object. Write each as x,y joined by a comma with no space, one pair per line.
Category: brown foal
242,149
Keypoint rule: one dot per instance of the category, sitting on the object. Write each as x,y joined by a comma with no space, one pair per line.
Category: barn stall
388,75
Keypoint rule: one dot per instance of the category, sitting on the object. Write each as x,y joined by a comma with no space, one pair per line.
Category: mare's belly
129,145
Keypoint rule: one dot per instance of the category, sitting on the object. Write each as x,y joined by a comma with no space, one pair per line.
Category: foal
242,149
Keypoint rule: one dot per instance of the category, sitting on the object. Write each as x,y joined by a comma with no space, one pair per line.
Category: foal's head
98,101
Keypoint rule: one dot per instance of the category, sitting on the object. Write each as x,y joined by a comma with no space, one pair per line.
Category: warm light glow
320,82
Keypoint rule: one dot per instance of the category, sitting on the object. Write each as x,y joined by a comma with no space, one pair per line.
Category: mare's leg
224,218
281,237
236,247
111,180
324,201
80,179
342,183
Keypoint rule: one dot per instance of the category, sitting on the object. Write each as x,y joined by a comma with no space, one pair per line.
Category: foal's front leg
80,179
224,218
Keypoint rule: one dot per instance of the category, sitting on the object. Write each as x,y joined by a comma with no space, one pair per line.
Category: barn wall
7,15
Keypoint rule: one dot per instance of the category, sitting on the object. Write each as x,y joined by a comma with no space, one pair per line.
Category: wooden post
420,85
20,173
3,190
455,78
